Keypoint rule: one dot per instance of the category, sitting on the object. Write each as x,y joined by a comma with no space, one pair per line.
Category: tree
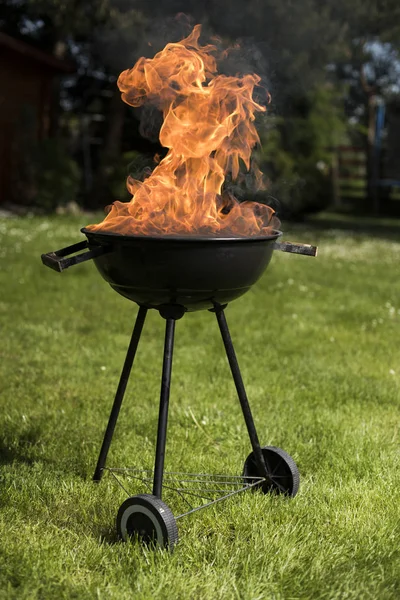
298,47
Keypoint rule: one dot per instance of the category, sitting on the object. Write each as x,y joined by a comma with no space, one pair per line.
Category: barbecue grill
175,275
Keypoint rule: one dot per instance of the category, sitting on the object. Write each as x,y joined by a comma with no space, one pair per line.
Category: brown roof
36,54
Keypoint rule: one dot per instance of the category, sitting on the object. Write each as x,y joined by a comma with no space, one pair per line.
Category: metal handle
296,248
58,262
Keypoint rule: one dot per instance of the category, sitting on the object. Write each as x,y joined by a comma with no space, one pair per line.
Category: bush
57,176
296,153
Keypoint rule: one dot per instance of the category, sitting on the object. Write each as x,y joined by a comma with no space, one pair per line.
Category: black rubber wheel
147,517
284,476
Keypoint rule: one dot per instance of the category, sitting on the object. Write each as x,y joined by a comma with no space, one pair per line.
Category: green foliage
293,44
297,151
47,177
56,174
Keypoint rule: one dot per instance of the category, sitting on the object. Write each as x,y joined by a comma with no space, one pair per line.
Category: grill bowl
193,272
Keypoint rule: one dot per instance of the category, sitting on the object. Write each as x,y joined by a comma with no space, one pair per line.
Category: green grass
318,341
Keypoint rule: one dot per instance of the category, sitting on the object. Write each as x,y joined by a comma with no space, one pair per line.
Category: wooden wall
25,85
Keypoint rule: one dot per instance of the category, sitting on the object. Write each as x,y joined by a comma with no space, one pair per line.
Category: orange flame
208,127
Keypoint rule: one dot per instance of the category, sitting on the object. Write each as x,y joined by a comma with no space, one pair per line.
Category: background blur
331,137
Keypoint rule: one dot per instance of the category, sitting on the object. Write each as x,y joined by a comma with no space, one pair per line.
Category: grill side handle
61,259
305,249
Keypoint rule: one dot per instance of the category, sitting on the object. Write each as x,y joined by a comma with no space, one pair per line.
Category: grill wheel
148,518
284,476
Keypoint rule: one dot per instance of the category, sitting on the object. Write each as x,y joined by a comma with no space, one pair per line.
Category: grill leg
163,412
248,417
119,396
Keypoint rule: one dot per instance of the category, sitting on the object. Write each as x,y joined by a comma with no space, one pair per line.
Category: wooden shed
26,80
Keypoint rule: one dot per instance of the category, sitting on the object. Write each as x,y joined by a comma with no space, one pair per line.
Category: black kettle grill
175,275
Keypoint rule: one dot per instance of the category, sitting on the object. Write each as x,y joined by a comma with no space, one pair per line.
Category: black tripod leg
119,396
248,417
163,412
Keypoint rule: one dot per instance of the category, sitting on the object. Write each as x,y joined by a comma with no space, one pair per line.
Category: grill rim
181,238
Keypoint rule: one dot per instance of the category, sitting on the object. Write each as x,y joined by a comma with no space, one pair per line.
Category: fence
351,176
351,173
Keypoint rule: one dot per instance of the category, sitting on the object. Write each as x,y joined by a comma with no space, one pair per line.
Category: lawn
318,342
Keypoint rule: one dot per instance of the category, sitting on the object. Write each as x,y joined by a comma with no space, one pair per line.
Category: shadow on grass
21,449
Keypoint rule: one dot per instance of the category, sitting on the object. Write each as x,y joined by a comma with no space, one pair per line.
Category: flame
208,127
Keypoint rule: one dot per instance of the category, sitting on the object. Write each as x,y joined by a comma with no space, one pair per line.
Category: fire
208,127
